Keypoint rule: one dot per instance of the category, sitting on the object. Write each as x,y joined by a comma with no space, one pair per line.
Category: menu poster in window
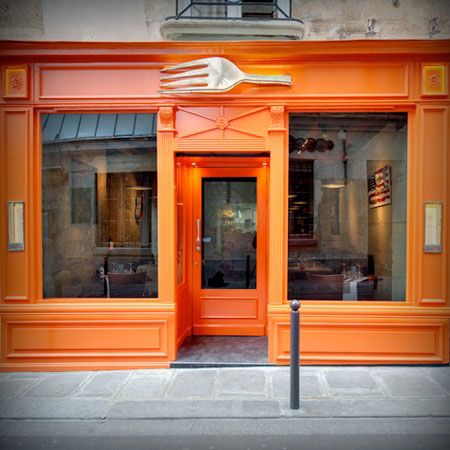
433,227
379,187
16,238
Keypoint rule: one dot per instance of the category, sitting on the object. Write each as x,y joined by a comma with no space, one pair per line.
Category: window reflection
99,205
347,206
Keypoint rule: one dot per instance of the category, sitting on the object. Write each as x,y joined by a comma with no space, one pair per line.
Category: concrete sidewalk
226,393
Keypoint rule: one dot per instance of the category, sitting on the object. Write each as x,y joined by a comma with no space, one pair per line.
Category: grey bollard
295,355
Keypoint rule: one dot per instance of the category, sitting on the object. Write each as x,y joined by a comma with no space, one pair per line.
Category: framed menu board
433,227
16,235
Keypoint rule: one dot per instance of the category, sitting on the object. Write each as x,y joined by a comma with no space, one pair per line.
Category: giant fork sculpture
212,75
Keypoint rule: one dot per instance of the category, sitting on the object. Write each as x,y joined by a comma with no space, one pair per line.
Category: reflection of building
150,217
99,203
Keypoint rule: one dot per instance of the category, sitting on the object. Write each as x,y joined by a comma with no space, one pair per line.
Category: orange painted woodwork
230,311
372,76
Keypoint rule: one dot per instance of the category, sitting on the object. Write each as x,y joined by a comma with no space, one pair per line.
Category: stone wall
140,20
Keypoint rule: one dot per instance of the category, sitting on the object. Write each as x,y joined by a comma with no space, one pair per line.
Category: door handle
198,242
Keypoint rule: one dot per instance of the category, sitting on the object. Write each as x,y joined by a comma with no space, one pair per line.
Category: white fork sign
212,75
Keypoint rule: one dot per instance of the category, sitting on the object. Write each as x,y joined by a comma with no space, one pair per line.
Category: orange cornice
249,51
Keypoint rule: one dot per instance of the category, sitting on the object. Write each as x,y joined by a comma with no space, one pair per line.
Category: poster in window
379,187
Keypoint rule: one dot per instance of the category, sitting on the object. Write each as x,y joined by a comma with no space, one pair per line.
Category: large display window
347,206
99,205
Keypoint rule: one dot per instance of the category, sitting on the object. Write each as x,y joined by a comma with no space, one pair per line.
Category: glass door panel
229,233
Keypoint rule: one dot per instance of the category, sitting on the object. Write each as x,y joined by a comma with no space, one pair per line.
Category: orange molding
166,206
137,81
262,128
230,330
268,51
367,340
56,337
433,159
277,271
16,183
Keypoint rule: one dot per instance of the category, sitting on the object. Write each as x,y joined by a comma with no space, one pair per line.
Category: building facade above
157,20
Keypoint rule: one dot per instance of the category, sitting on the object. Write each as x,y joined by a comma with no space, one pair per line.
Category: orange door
229,251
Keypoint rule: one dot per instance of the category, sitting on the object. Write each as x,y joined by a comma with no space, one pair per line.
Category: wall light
139,188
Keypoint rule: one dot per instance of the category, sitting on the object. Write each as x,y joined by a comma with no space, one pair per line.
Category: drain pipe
295,354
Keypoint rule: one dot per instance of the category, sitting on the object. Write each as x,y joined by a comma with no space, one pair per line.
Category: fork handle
268,79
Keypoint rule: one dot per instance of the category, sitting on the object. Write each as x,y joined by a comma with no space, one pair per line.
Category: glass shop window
99,206
347,206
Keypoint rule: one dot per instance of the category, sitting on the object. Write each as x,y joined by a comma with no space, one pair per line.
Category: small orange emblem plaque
15,82
434,80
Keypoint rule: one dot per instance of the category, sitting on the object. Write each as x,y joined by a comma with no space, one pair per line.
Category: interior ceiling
346,121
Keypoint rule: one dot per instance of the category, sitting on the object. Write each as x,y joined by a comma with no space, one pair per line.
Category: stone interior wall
345,227
140,20
76,228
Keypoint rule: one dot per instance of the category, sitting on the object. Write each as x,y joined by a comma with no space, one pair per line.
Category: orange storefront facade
215,209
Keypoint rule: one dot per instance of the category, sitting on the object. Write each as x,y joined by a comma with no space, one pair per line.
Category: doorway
227,240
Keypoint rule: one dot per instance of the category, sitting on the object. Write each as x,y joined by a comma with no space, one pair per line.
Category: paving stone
197,383
59,427
146,386
167,409
103,385
40,408
376,407
310,386
242,383
58,385
5,375
10,387
397,370
350,379
139,427
413,385
441,375
30,374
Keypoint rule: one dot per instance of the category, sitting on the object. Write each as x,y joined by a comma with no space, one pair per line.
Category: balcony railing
234,10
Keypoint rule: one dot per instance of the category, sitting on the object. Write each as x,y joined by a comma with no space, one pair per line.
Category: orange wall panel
317,79
328,76
82,82
53,338
434,166
215,308
369,340
83,337
15,148
363,79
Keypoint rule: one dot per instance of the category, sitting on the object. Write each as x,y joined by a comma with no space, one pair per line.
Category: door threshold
207,365
222,351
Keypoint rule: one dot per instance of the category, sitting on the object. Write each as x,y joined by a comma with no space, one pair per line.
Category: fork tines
185,78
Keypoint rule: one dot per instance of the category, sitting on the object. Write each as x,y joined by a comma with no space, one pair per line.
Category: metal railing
233,10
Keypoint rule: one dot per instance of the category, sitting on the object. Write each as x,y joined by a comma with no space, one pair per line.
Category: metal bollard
295,355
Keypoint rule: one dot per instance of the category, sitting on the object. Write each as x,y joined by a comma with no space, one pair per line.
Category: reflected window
99,205
347,206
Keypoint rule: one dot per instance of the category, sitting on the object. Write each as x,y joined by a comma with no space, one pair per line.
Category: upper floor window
234,9
232,20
